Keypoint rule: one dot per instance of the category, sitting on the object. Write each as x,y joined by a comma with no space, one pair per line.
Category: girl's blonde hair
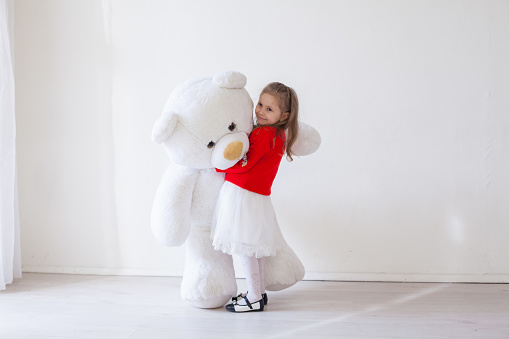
288,103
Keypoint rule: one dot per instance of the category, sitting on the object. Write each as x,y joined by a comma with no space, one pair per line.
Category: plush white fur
308,140
196,131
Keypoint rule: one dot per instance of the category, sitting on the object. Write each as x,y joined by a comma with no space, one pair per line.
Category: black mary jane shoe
249,307
241,296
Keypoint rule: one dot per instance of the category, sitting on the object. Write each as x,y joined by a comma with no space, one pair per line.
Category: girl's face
267,110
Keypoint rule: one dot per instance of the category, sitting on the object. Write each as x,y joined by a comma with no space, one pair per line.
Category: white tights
253,269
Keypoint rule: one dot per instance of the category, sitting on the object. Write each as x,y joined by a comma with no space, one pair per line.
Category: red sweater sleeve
259,144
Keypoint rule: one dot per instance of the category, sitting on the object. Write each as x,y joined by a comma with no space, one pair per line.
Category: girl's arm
259,145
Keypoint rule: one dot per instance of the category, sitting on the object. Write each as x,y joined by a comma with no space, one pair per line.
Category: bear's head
205,117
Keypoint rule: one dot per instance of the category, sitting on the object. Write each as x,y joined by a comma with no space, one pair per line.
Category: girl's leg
262,275
252,272
261,264
253,301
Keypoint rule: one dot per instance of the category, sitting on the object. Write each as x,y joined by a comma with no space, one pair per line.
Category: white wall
410,98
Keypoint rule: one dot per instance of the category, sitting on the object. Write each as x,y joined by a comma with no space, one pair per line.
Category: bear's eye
232,126
211,144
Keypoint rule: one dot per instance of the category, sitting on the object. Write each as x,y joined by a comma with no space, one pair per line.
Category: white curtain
10,254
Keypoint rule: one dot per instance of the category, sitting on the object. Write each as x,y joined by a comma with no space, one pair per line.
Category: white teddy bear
205,125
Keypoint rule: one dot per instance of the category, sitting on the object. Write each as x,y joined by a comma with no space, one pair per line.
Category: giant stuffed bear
205,125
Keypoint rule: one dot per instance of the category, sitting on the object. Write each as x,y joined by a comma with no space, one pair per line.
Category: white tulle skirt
245,223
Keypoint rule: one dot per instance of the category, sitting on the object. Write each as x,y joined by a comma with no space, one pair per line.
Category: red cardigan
263,159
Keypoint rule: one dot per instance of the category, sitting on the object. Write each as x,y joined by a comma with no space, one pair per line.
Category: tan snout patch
233,151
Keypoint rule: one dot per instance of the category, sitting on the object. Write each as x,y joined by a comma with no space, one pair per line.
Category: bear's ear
229,79
308,140
164,127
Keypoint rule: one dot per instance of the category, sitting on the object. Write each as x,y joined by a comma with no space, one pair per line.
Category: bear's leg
282,270
209,277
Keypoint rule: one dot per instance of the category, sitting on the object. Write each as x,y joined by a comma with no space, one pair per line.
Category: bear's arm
171,210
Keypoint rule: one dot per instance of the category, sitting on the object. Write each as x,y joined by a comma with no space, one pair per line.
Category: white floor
79,306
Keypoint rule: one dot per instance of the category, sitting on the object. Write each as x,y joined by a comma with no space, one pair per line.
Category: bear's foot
283,270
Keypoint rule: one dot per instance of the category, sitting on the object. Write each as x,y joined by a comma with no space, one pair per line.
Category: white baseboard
410,277
390,277
101,271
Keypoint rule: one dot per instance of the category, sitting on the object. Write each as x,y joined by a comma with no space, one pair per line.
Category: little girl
244,220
